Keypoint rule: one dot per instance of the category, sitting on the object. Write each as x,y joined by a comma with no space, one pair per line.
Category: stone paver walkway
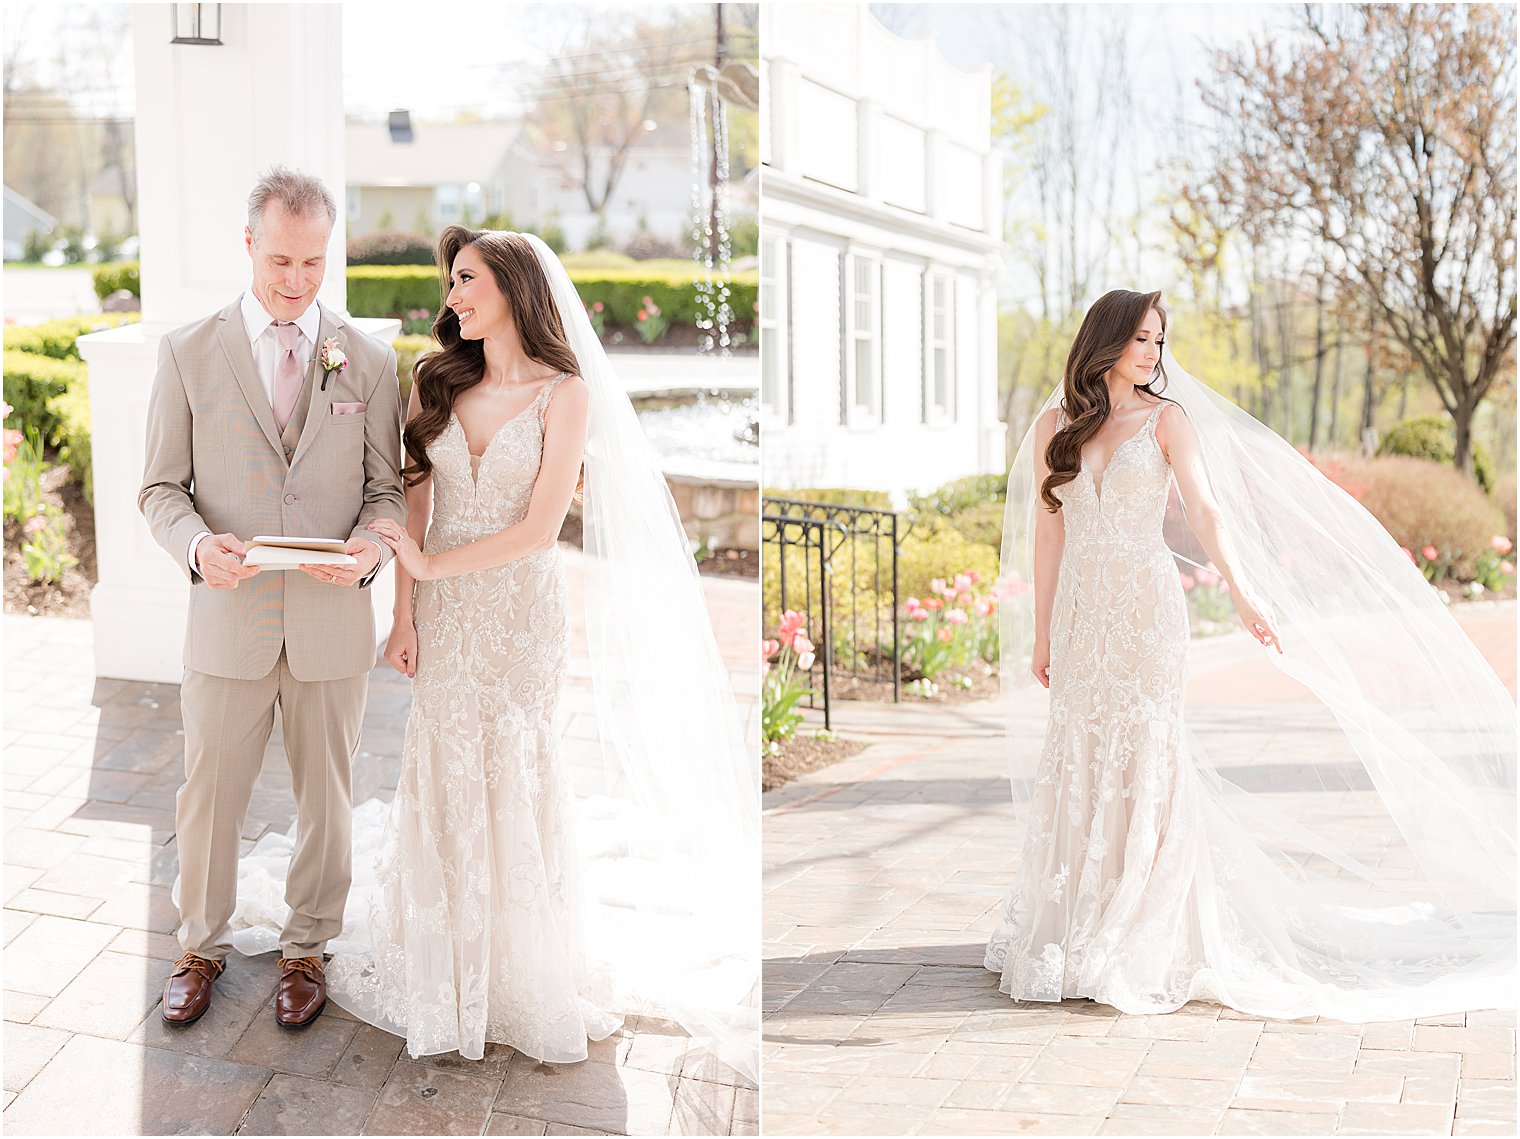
883,874
91,768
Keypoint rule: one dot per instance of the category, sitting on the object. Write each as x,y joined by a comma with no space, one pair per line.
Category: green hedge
1434,437
408,349
393,290
71,411
31,381
57,338
969,493
115,275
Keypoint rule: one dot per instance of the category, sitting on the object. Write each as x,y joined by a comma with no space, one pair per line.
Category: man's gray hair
301,194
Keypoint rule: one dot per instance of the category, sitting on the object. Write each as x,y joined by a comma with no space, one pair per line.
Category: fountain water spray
709,205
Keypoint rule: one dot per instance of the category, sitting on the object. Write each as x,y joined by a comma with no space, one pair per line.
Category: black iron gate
838,564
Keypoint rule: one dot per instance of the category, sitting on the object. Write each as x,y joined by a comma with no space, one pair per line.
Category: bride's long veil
1398,804
673,867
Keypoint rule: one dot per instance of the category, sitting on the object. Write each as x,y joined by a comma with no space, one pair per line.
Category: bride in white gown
1147,876
478,912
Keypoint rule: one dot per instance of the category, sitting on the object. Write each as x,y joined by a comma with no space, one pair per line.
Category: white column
210,120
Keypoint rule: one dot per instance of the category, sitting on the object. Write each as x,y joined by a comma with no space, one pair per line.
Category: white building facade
881,224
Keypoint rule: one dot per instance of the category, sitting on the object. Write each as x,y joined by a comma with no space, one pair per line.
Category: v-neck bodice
477,495
1127,499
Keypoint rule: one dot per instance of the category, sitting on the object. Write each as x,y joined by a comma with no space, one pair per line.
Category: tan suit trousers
227,727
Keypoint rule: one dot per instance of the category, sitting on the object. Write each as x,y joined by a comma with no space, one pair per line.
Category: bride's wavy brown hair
441,377
1106,331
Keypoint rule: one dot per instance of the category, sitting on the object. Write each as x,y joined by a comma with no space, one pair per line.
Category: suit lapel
321,401
239,352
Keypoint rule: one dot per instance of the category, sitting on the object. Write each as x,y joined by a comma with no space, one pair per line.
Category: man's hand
366,551
219,558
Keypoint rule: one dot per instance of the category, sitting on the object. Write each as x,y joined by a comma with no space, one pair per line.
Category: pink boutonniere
331,359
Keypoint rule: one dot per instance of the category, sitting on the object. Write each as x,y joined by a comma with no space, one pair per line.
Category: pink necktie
287,374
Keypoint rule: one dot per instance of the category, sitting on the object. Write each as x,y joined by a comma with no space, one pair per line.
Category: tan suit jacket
215,462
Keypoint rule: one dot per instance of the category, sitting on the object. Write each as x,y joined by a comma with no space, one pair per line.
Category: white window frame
856,335
775,317
939,346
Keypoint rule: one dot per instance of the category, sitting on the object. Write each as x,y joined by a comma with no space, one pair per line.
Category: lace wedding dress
462,924
1138,886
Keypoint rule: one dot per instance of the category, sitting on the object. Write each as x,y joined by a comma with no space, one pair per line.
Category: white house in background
881,224
654,188
421,176
408,174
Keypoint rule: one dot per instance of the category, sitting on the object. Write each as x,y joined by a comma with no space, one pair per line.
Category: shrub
744,236
982,524
408,350
395,290
392,247
646,244
935,549
1504,498
392,290
115,275
57,338
71,412
31,381
872,499
961,494
1422,503
1434,437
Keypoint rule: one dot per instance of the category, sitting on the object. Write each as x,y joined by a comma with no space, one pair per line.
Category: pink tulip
984,607
962,581
1187,581
802,646
792,622
768,649
912,603
1501,544
937,585
934,603
1431,553
1205,577
946,635
35,525
974,576
805,661
1506,567
919,615
956,616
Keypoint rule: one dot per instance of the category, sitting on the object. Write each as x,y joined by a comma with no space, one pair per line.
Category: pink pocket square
348,408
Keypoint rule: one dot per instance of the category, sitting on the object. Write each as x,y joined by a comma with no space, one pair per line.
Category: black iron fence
838,564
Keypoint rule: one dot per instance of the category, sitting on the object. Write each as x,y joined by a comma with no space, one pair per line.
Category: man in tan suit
251,432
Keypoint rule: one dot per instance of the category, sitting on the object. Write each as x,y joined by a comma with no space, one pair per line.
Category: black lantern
197,23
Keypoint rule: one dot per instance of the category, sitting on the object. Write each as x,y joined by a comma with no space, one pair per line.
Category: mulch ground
801,754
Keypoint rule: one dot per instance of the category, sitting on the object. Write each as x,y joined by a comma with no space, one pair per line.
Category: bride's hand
1257,623
1040,663
401,647
412,559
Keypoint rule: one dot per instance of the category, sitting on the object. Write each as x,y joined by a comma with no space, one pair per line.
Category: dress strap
542,399
1154,417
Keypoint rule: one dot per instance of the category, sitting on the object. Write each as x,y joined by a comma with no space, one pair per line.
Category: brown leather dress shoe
302,992
187,992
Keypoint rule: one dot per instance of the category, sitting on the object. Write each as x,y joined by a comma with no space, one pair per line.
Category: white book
274,552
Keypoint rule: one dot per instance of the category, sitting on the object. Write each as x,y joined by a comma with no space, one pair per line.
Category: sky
437,59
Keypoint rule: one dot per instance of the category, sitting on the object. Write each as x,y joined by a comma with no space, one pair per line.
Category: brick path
91,768
882,876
